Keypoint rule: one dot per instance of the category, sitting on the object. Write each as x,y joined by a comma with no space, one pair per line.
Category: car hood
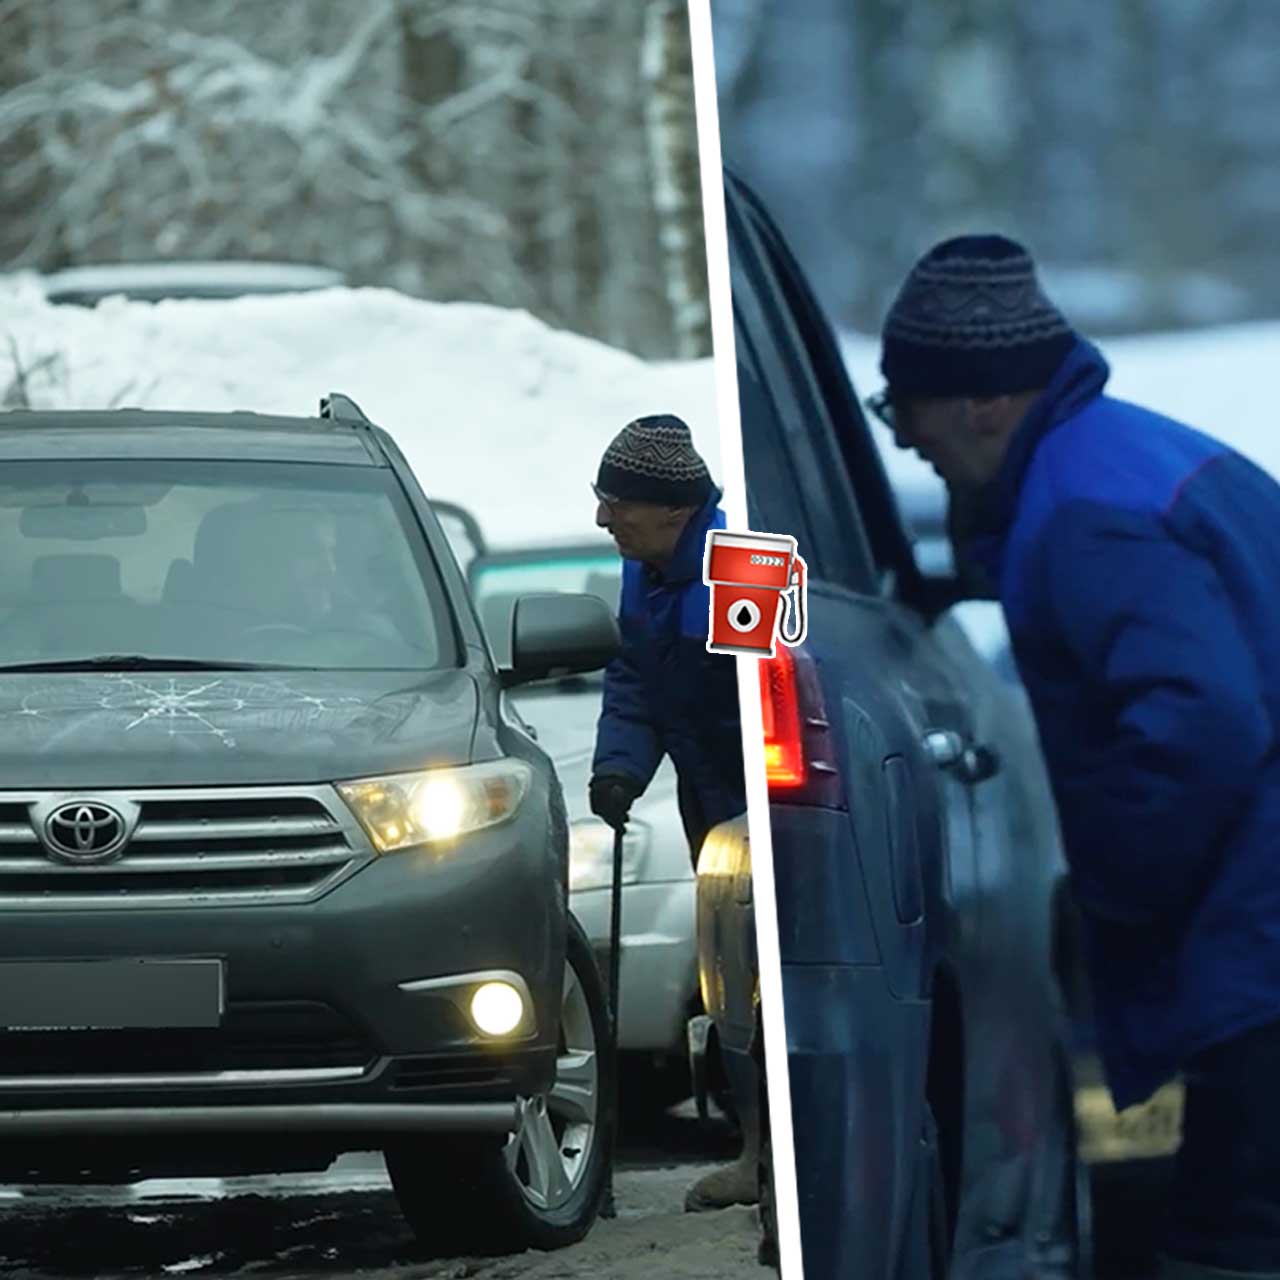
565,720
124,729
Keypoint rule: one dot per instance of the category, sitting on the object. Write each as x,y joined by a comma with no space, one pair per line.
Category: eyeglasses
881,405
606,499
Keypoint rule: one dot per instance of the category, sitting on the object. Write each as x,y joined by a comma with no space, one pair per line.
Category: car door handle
944,747
949,750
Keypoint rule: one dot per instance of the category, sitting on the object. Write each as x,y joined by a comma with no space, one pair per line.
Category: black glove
612,795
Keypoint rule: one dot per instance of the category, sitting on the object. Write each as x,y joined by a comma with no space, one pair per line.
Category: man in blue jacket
1138,563
665,694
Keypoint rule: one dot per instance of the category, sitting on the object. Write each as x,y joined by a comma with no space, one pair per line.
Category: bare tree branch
495,152
17,394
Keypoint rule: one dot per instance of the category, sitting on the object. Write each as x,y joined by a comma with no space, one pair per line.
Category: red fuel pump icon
750,574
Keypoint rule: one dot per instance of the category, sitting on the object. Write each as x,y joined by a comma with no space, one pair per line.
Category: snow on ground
326,1226
493,409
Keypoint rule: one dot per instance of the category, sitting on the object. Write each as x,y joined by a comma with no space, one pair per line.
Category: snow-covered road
345,1222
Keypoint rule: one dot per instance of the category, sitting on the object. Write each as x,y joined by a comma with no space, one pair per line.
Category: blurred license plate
110,995
1149,1130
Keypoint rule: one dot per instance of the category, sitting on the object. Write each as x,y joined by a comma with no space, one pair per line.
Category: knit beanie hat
653,460
972,320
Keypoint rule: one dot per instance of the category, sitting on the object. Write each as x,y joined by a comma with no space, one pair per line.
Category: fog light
497,1008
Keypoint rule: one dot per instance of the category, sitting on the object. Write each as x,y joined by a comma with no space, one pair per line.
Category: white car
153,281
658,980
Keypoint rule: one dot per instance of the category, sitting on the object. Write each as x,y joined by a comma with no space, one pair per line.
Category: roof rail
340,408
343,409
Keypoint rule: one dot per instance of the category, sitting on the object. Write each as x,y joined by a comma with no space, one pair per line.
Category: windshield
290,564
496,584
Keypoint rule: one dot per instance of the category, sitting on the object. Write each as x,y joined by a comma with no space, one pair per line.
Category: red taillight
780,706
799,754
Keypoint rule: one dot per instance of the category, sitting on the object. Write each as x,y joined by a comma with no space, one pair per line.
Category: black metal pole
615,936
609,1210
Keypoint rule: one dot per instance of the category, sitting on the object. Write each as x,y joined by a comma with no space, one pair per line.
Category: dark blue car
927,967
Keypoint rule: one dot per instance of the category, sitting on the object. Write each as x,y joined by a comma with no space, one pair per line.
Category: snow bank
493,409
1221,381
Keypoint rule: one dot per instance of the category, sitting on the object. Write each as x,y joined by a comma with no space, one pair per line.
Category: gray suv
280,874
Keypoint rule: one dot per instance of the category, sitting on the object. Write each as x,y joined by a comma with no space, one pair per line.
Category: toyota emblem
85,831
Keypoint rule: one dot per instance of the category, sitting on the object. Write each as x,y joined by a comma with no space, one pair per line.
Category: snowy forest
1131,143
538,154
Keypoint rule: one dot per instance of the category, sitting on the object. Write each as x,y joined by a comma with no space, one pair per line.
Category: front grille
190,848
461,1072
252,1037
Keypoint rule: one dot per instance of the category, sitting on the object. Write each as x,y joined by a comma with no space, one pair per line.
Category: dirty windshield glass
238,562
496,585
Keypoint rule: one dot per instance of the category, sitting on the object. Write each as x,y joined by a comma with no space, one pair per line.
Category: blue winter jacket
666,695
1138,563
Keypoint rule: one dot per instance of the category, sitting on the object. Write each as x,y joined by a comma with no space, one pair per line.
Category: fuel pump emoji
750,575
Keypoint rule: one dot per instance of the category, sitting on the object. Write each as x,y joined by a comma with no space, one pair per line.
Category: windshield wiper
143,662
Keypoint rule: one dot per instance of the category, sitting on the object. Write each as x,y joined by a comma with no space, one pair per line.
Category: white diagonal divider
735,504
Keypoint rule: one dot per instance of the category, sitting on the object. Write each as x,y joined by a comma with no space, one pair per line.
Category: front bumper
349,1007
491,1117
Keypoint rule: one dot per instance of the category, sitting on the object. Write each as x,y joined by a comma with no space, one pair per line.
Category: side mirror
561,634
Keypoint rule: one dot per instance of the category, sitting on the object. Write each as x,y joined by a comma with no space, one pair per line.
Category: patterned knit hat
653,460
972,320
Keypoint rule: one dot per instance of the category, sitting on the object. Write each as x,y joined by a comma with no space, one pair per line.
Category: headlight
591,853
437,805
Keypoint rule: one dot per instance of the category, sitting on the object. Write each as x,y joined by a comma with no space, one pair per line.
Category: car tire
538,1188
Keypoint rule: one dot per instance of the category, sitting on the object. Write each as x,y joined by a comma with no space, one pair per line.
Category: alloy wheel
548,1153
